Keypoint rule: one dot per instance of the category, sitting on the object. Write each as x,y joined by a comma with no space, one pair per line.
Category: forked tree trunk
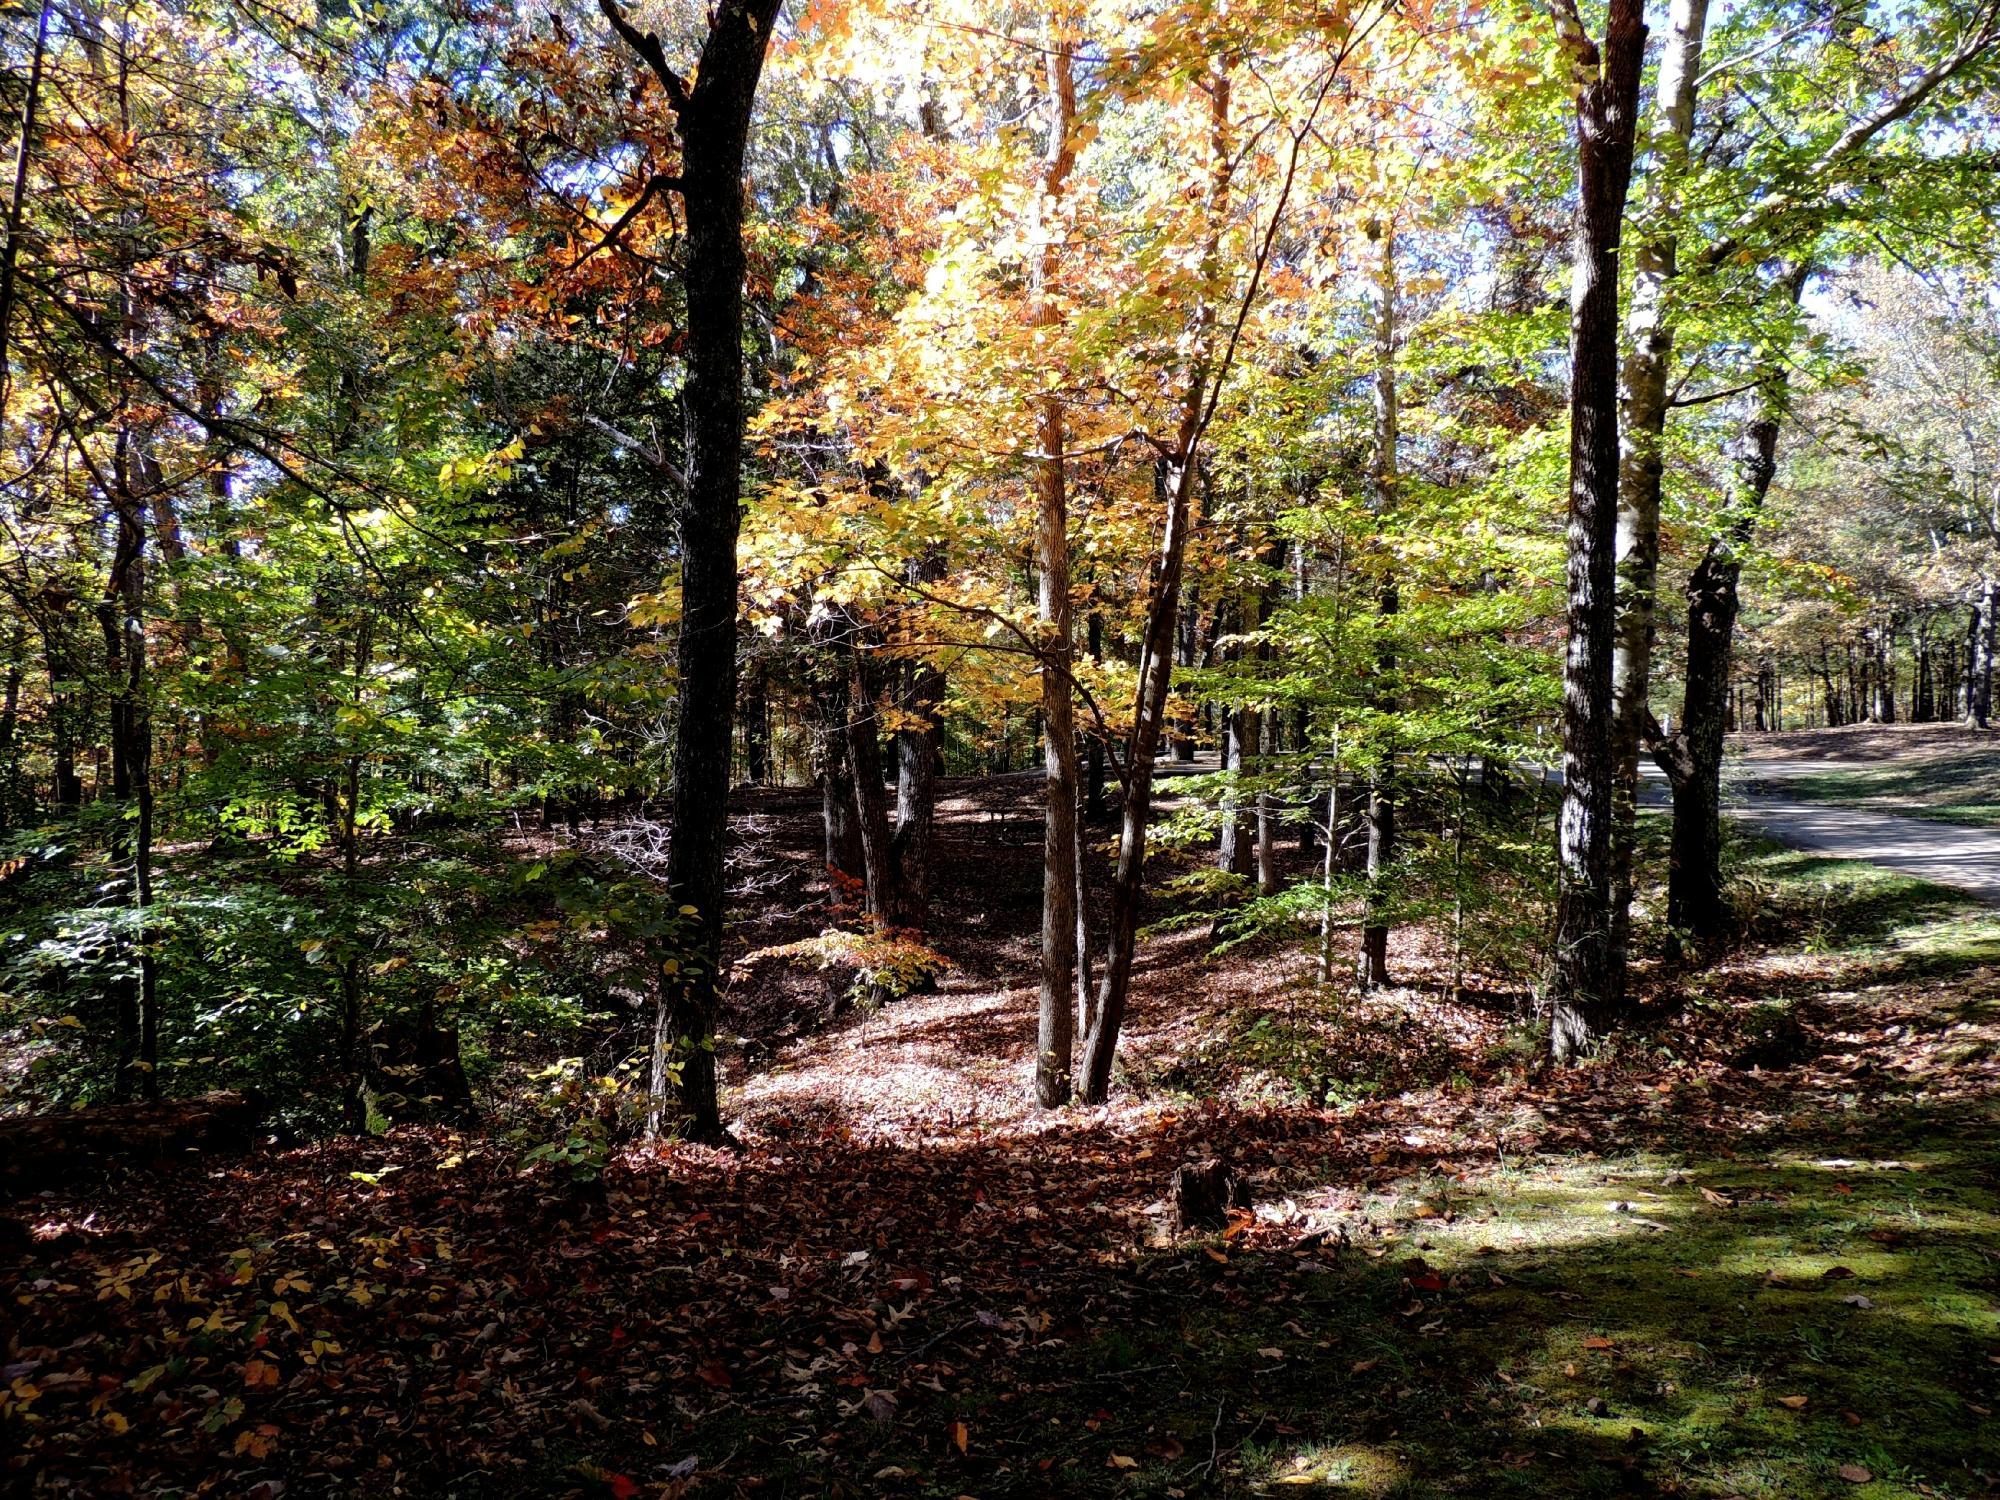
1156,646
1650,329
714,124
1586,983
1692,757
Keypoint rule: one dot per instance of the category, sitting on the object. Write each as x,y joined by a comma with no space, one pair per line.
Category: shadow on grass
1961,787
1906,928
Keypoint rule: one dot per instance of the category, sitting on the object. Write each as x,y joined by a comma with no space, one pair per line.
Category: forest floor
1754,1251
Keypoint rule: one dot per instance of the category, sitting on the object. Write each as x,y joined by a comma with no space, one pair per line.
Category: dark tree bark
122,615
1586,985
1095,808
1647,368
1692,758
829,688
886,897
1380,813
714,123
17,201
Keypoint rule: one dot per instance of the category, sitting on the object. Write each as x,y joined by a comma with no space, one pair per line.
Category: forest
1130,747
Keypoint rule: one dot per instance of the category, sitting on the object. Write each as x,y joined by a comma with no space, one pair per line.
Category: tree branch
647,45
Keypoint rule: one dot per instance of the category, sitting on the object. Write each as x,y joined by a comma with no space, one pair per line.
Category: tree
713,118
1585,983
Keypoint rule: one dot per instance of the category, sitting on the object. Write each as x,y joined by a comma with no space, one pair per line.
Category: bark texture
714,123
1585,983
1650,343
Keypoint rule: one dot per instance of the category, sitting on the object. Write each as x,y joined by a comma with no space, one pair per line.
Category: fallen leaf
959,1436
1599,1341
1855,1474
714,1372
1796,1403
1122,1461
1720,1200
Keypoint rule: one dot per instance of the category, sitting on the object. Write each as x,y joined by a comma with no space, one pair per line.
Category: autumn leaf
1855,1474
714,1372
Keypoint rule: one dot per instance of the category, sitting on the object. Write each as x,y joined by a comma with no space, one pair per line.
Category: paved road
1967,859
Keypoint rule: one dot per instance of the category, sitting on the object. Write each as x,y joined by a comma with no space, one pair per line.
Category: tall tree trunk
1692,758
1641,467
123,617
1055,1031
757,726
830,696
1586,983
1156,646
884,877
1236,848
65,710
714,122
918,750
13,784
1385,481
1094,804
1979,657
1269,728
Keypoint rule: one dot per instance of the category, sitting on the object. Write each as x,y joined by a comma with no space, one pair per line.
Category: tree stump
1203,1192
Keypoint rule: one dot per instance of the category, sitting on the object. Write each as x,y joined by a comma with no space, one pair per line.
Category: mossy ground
1771,1319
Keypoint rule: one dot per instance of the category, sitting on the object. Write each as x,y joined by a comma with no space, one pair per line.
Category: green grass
1956,786
1850,909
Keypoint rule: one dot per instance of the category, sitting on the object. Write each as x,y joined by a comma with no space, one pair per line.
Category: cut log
38,1151
1203,1193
